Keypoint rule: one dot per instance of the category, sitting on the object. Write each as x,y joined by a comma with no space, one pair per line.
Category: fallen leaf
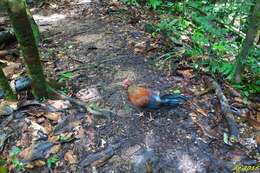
7,107
12,69
70,157
140,47
186,73
55,149
59,104
26,154
258,137
53,116
39,163
88,94
202,111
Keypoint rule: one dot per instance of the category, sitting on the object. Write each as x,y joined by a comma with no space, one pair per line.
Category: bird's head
127,82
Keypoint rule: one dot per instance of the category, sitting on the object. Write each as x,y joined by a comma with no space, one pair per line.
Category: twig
226,110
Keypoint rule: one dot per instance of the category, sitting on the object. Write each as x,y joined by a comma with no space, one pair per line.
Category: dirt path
173,142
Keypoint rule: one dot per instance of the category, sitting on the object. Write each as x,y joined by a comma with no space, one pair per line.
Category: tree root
226,110
98,113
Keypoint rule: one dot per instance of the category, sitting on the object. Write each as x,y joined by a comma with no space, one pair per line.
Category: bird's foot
151,118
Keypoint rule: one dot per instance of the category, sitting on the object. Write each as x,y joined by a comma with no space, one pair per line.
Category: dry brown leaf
55,149
12,69
38,163
26,154
186,73
239,100
70,157
202,111
258,117
59,104
88,94
258,138
7,107
48,127
140,47
53,116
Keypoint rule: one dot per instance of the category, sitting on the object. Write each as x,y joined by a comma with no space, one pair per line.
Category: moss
9,95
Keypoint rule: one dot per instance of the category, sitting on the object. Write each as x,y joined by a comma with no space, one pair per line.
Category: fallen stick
3,53
226,110
100,158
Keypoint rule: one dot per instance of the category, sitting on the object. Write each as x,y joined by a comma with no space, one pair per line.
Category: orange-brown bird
146,98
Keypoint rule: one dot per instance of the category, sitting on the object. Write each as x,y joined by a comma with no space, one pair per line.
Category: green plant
64,76
64,138
3,168
154,3
19,166
212,29
131,2
52,161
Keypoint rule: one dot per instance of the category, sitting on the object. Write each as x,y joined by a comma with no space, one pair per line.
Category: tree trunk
25,37
254,23
4,85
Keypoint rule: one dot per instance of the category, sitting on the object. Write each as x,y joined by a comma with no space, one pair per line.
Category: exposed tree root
226,110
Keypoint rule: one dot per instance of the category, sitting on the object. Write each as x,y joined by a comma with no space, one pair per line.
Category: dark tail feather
173,100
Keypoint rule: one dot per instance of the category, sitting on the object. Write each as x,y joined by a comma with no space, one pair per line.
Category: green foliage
63,138
213,44
52,161
64,76
3,168
14,151
131,2
154,3
19,166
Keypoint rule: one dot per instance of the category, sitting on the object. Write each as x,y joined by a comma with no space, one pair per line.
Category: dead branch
99,159
3,53
226,110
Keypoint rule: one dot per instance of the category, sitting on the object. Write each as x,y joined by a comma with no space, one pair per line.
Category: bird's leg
150,117
141,114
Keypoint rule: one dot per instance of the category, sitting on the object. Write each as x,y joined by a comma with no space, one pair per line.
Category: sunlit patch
187,164
48,19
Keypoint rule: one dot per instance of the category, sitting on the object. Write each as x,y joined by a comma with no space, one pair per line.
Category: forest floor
92,48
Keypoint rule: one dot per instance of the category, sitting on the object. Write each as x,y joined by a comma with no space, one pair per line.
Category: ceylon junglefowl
146,98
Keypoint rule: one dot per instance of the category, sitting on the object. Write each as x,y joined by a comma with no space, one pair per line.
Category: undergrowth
210,33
